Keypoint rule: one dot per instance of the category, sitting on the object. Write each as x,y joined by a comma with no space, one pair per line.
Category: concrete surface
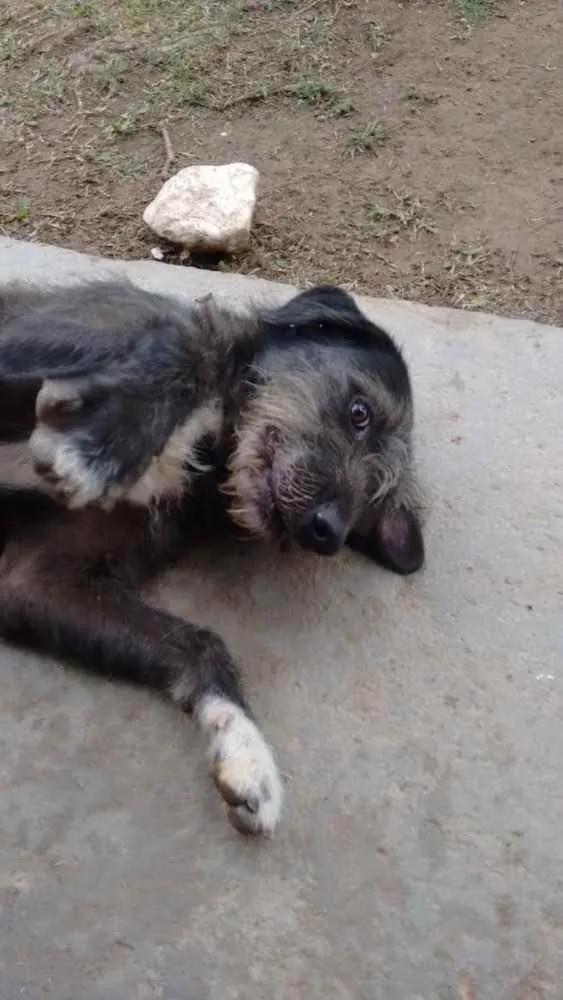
418,723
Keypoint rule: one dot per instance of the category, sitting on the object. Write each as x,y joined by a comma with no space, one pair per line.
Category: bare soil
412,149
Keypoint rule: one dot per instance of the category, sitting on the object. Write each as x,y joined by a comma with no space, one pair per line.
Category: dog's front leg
108,629
127,435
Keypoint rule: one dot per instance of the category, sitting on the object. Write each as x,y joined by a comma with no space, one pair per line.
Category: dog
151,422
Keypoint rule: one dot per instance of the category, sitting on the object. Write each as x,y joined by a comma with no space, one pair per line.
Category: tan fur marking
166,475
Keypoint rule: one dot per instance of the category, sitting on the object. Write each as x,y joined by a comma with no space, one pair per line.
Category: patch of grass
314,92
9,49
82,10
22,212
274,248
95,56
100,71
405,212
87,57
467,276
473,10
15,216
127,123
342,108
275,6
368,138
110,161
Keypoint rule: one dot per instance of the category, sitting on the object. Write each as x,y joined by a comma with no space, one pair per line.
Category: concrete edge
51,264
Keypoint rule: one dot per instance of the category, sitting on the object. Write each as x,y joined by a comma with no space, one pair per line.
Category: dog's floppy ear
321,313
391,537
328,314
316,303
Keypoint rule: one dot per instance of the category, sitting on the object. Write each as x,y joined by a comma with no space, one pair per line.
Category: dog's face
323,441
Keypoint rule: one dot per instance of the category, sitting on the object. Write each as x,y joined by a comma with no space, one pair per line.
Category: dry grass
368,138
138,61
108,71
473,10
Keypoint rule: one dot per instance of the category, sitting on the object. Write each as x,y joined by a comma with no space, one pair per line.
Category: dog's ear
328,314
322,313
318,302
391,537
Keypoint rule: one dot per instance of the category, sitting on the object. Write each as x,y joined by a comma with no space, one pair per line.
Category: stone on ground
206,208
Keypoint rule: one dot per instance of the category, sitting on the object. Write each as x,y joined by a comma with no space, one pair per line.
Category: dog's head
323,450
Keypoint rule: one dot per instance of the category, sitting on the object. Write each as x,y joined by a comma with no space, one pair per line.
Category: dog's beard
269,489
260,486
248,487
251,489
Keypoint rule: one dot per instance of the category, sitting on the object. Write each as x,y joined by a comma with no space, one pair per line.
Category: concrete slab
419,723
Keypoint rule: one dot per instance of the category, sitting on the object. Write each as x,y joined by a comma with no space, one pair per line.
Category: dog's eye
360,415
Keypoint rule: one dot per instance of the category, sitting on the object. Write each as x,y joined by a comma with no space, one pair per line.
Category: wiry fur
150,421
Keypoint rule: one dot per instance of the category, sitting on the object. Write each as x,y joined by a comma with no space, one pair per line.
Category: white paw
243,765
57,455
62,467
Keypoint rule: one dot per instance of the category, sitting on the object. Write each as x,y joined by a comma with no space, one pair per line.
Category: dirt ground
411,149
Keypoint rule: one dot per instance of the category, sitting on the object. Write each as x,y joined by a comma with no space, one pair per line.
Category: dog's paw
68,453
244,769
58,452
59,462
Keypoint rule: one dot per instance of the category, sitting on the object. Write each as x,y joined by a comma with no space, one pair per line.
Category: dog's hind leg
68,612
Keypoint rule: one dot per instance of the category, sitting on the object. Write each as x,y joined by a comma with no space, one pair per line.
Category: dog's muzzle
323,531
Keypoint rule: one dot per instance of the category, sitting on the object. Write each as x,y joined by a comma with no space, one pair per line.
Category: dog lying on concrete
150,422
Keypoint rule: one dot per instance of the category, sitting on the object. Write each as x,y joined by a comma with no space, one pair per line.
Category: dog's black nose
323,531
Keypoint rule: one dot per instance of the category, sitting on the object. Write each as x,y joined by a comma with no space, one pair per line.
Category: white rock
206,208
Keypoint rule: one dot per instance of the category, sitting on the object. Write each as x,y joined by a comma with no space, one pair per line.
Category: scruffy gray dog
152,423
